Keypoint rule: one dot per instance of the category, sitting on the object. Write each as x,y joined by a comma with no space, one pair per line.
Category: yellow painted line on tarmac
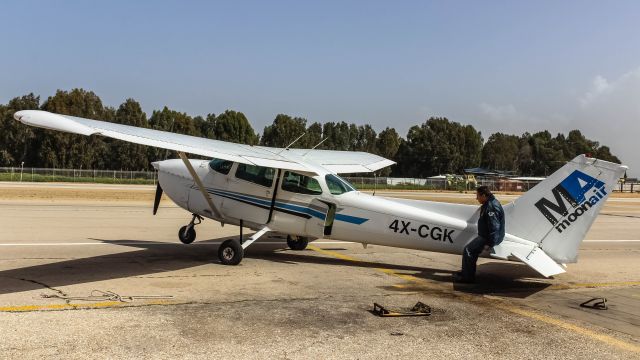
332,253
571,327
500,303
349,258
593,285
96,305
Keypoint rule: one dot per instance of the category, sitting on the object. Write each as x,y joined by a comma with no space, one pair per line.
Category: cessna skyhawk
298,192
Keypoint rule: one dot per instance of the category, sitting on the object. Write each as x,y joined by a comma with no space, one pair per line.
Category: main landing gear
296,242
187,233
231,251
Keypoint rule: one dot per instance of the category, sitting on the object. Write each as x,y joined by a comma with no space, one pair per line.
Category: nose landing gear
187,233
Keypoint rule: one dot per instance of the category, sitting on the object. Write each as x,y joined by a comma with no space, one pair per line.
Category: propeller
156,202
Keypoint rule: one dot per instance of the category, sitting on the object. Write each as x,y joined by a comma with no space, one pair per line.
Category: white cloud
511,120
599,87
500,113
608,111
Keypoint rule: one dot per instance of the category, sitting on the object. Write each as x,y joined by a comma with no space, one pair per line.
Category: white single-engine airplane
298,192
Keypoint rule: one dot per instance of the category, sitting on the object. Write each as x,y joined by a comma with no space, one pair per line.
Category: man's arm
495,216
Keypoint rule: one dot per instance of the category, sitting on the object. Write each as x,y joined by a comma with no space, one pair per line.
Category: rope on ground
99,295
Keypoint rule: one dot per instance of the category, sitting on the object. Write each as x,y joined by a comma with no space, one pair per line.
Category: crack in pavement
60,292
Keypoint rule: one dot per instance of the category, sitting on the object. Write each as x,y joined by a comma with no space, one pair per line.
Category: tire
230,252
189,236
297,242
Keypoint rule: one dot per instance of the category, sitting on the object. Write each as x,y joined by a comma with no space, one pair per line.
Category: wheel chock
595,303
419,309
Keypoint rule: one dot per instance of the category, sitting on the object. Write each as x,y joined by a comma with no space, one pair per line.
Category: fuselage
316,206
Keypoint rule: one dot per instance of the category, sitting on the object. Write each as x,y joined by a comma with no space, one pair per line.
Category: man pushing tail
490,233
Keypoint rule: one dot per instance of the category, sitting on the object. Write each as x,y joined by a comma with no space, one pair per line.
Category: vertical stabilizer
557,213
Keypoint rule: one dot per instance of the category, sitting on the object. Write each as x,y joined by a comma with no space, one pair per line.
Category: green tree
284,130
544,154
64,150
338,135
206,126
125,155
170,121
387,145
472,146
313,136
365,139
604,153
501,152
233,126
439,146
16,139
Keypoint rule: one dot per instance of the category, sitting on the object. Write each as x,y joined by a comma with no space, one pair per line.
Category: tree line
437,146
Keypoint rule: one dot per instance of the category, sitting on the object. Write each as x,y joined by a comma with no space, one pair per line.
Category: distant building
498,180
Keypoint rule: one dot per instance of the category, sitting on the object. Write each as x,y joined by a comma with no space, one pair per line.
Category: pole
21,170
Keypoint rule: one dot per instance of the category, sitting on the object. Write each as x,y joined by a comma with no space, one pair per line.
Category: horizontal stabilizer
531,255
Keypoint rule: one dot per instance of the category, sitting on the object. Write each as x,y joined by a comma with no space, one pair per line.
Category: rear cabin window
337,185
300,184
256,174
221,166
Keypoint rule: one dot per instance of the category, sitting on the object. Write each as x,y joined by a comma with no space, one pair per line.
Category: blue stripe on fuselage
291,207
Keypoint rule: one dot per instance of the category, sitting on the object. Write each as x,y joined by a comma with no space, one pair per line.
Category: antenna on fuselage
294,141
321,141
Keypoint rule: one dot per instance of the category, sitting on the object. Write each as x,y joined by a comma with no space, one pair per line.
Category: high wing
300,160
343,162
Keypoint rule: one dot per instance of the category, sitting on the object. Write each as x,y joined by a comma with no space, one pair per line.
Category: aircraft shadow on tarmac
498,278
158,257
152,258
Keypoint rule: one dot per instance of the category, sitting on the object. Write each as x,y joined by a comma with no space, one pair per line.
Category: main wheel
187,236
230,252
297,242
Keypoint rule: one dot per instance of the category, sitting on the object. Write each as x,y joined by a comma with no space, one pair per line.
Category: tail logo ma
579,190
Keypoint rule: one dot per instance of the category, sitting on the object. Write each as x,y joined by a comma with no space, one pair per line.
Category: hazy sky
510,66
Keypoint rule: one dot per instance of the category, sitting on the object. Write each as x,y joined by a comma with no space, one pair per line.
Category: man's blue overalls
490,232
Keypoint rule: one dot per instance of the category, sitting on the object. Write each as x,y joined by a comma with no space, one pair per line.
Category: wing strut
198,182
255,237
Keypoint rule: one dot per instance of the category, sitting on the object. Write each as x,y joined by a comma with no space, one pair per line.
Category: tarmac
88,271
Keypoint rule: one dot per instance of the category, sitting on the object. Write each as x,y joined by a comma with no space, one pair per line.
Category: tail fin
557,213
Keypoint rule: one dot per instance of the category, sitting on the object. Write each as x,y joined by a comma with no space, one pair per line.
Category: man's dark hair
484,190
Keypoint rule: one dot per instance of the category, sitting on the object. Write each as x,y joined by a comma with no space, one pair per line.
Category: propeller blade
156,202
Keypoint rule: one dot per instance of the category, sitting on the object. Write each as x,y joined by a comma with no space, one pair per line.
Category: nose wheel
187,233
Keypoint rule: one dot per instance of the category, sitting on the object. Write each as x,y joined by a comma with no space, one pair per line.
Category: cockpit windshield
221,166
338,185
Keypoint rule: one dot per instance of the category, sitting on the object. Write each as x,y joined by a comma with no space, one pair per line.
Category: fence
444,184
363,183
77,175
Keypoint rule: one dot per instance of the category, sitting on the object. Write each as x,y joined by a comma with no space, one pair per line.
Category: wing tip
51,121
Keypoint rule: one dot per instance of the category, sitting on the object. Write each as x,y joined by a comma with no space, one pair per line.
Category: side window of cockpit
300,184
256,174
221,166
337,185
